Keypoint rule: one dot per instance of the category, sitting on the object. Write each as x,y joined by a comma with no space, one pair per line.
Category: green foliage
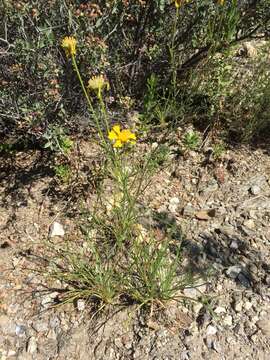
56,140
235,88
6,148
63,172
153,273
127,40
218,150
191,140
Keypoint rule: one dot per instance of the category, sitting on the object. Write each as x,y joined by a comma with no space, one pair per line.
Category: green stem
172,51
101,135
104,112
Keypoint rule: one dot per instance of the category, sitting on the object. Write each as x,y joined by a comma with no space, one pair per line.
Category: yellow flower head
121,137
221,2
178,3
69,45
97,83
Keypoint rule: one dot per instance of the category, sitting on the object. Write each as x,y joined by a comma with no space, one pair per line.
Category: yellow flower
178,3
69,45
221,2
97,83
121,137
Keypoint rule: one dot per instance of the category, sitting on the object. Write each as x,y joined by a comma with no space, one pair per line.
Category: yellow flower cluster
121,137
97,83
69,45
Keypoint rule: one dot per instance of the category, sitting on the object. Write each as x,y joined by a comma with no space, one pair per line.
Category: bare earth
222,209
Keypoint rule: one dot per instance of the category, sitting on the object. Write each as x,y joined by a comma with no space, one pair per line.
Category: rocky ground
220,207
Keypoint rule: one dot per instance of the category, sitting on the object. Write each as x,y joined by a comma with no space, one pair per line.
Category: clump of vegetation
116,57
121,260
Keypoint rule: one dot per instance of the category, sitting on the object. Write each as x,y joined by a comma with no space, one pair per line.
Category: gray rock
40,326
244,281
227,230
194,292
48,300
234,271
234,245
264,326
20,330
54,322
189,210
248,305
255,190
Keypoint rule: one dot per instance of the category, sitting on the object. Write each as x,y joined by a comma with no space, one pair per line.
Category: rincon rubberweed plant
69,45
121,137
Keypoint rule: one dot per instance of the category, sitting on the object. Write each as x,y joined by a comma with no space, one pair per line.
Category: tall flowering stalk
69,44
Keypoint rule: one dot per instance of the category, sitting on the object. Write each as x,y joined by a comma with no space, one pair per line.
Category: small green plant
57,140
218,150
63,172
191,140
153,273
6,148
151,96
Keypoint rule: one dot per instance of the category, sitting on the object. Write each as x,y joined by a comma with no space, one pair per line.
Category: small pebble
20,330
211,330
250,224
233,271
220,310
228,320
31,345
255,190
173,204
57,229
80,304
238,307
248,305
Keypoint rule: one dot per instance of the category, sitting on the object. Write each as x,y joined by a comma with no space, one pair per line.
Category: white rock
250,224
219,310
211,330
234,245
255,190
228,320
173,204
234,271
238,307
248,305
57,229
197,307
32,345
80,304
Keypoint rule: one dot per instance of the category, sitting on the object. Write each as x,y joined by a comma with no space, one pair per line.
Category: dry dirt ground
221,208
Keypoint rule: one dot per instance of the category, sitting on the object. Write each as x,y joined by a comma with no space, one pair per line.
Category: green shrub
127,40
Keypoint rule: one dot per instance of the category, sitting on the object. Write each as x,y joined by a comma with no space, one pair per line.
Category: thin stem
172,51
101,135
